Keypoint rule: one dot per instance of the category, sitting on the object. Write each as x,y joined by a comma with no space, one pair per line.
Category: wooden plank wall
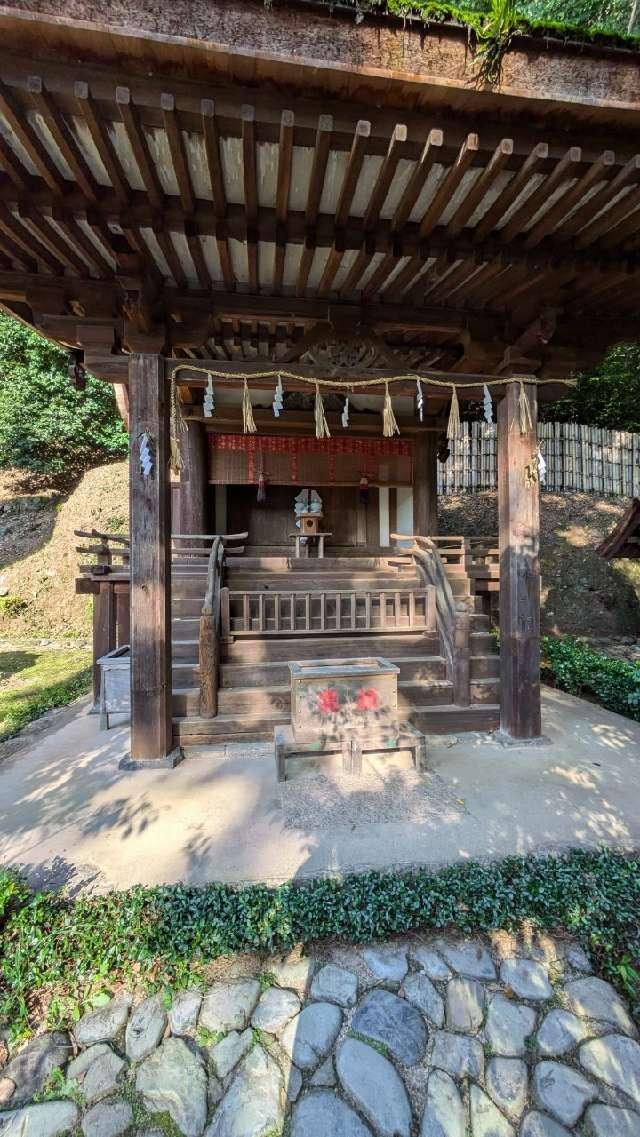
579,458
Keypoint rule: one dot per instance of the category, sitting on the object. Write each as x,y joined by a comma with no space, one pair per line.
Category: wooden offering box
310,524
345,705
332,697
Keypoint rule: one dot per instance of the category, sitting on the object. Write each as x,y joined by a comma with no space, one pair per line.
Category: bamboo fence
579,459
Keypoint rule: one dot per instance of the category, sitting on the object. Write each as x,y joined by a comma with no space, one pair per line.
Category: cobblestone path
436,1037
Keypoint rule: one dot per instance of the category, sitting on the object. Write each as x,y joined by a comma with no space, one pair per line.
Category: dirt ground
581,594
38,559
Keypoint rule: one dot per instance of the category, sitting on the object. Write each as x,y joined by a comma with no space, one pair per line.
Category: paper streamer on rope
278,398
322,430
419,400
248,421
389,424
345,414
487,404
542,467
176,426
146,455
209,402
453,426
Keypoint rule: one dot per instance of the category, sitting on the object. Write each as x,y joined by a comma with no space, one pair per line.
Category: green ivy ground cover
578,669
64,955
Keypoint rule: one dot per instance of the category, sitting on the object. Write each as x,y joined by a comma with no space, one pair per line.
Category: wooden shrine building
311,208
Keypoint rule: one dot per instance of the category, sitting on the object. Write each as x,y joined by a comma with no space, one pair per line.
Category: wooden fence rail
579,459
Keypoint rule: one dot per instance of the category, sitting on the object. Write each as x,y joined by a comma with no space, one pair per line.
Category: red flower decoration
328,701
368,699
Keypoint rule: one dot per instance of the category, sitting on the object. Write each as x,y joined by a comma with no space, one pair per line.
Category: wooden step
484,666
321,582
481,643
452,719
195,731
417,668
184,649
485,690
187,606
389,644
443,719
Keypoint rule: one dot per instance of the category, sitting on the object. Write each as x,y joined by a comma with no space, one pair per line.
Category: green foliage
608,396
34,682
53,946
495,21
580,670
12,606
45,424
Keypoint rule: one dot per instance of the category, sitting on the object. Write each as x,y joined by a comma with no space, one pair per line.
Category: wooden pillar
425,497
193,479
519,526
151,732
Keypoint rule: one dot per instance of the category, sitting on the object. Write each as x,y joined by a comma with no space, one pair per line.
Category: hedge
60,954
578,669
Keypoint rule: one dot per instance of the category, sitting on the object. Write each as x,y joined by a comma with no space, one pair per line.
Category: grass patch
33,681
52,948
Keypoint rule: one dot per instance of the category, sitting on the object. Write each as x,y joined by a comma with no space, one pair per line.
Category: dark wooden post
425,497
151,731
193,479
104,630
519,526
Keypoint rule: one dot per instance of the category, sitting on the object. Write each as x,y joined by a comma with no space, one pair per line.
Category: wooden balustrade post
425,497
151,725
104,630
461,660
519,524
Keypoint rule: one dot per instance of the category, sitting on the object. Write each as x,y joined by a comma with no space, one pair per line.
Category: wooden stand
317,538
351,747
348,707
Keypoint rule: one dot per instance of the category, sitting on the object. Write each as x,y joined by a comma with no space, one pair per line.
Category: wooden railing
211,619
328,612
452,616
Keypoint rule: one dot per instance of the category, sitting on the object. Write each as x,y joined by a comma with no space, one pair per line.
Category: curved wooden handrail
209,637
452,620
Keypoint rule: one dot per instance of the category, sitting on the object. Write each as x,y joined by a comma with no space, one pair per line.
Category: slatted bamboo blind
579,458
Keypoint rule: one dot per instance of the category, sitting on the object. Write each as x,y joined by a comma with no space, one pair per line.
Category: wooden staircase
279,609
